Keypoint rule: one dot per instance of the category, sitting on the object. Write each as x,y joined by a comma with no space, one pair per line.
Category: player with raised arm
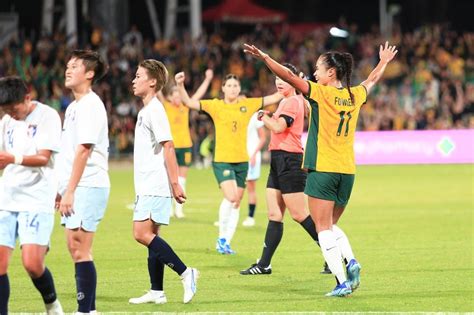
156,184
82,168
286,181
178,116
30,134
329,153
231,116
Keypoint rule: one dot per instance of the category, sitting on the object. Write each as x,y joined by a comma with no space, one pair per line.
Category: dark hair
342,62
155,70
92,62
291,67
12,90
230,76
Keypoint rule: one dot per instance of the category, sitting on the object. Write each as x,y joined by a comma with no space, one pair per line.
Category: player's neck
81,90
147,98
336,83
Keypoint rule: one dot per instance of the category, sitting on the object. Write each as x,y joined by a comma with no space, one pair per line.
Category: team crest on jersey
32,130
243,109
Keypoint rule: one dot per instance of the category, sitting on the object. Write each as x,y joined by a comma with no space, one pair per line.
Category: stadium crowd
430,85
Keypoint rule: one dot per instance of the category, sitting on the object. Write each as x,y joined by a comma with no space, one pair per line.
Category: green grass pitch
411,228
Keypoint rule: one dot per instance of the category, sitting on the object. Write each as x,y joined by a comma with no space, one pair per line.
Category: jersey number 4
345,117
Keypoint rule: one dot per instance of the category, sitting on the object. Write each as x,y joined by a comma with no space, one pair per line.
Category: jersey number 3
345,119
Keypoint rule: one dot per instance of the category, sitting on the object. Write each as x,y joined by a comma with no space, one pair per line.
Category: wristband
18,159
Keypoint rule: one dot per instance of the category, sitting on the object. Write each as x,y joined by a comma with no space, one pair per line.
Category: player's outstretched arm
204,85
189,102
279,70
37,160
386,54
172,170
274,98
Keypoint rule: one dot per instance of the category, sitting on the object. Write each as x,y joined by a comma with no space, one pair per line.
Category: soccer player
329,154
31,136
178,116
256,138
231,117
286,181
156,183
82,168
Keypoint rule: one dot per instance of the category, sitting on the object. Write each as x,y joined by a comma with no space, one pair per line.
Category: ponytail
348,61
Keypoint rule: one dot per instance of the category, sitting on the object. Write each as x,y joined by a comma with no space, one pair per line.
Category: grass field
411,227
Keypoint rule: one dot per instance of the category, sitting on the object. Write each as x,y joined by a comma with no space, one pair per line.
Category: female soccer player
156,183
329,154
178,116
28,192
286,181
82,168
231,117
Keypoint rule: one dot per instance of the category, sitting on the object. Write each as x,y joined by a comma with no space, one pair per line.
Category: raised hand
179,78
387,53
209,74
254,51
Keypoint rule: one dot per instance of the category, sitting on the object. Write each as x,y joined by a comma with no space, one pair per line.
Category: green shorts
336,187
184,156
231,171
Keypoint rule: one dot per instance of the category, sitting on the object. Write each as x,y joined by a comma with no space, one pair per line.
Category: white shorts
156,208
89,208
28,227
254,172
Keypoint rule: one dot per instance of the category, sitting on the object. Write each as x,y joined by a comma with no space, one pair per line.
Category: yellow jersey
230,124
333,120
178,116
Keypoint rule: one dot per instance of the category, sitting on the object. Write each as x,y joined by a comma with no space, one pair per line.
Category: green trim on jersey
311,150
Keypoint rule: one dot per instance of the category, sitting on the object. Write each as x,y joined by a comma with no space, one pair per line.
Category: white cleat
54,308
157,297
248,222
189,280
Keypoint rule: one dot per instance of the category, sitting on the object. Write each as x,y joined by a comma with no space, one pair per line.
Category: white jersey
85,122
27,188
151,177
252,135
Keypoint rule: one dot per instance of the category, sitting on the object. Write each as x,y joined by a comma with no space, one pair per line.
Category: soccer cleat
248,222
157,297
228,250
326,270
353,274
54,308
255,269
220,245
189,279
341,290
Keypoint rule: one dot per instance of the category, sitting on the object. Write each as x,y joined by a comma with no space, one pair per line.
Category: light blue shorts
156,208
254,172
89,208
28,227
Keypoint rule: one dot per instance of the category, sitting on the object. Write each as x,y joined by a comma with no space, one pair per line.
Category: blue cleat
353,274
341,290
221,245
228,250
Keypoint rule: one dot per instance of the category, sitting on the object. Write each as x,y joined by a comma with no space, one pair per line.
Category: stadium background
412,225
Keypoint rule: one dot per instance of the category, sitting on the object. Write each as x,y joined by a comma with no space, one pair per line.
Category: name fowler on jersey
342,101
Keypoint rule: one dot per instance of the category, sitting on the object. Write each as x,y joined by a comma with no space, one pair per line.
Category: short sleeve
48,134
315,91
88,124
360,94
290,107
209,106
159,125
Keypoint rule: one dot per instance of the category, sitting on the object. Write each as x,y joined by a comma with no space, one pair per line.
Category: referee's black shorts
286,173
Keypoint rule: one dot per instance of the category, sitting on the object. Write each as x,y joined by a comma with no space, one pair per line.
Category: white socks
224,216
178,206
343,243
332,254
232,223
